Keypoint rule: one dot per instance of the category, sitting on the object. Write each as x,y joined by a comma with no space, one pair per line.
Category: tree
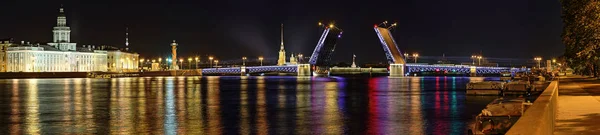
581,34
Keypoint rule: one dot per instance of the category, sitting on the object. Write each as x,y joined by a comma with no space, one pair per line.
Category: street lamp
473,58
416,55
159,63
261,60
301,58
479,60
244,61
142,63
405,56
538,59
197,62
181,62
190,63
216,63
211,60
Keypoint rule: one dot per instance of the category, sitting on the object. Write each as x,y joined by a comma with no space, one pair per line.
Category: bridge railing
539,119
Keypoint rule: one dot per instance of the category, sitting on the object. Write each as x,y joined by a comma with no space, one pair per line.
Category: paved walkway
578,106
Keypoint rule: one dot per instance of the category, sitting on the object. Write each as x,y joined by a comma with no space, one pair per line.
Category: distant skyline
507,29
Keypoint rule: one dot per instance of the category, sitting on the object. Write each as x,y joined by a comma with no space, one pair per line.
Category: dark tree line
581,35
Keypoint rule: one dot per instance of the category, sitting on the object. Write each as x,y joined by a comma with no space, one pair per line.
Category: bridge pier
304,70
243,70
473,70
396,70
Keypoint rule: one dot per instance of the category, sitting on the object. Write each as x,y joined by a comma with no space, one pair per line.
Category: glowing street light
301,58
473,57
244,61
216,63
331,25
211,60
479,60
197,60
416,56
190,63
405,56
261,60
181,62
159,63
538,59
320,24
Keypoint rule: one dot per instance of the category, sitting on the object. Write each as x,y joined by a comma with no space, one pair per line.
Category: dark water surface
238,105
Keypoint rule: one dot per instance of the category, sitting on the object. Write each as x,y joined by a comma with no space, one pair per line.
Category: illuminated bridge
321,59
321,56
410,68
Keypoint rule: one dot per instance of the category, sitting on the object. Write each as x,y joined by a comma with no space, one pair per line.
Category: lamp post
261,60
416,56
159,63
197,59
142,63
181,62
479,60
301,58
538,59
473,58
244,61
211,60
405,56
190,63
216,63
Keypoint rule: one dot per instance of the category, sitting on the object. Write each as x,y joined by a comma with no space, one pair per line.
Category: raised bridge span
320,60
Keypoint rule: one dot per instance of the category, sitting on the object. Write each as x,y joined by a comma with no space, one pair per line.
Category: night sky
230,29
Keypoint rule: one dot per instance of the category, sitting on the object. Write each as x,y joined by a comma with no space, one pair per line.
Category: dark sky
230,29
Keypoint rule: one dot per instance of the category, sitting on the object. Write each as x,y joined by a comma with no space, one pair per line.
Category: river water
238,105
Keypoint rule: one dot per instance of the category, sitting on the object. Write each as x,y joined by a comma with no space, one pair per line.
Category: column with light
210,60
416,56
197,60
190,63
243,61
261,60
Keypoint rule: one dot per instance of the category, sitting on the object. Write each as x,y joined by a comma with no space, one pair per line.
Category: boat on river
498,116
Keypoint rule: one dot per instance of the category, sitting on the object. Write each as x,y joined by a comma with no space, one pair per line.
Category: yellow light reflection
15,112
416,116
195,123
244,114
32,117
262,124
213,109
332,114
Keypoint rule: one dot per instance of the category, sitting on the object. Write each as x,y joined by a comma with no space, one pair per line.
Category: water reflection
238,105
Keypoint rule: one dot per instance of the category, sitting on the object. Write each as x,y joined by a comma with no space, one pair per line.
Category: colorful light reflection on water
238,105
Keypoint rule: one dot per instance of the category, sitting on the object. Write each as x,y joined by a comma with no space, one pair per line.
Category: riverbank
24,75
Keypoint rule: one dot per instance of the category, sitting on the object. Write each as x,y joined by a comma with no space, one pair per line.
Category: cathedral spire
282,48
281,60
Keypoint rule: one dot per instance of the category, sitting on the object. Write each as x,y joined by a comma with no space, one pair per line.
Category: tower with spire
62,33
281,60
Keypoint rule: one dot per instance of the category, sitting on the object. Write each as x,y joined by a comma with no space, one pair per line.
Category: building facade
120,61
59,56
38,59
4,44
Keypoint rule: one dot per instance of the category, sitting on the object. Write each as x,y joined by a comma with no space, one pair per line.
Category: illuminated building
281,60
62,33
4,44
59,56
293,60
